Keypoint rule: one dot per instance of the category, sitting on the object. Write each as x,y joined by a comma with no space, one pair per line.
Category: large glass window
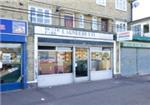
55,61
100,60
10,63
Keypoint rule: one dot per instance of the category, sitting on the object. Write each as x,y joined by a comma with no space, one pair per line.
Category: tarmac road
122,91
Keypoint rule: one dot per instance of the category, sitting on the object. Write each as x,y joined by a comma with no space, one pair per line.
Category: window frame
81,21
71,15
134,29
40,16
144,28
120,24
119,5
104,25
94,23
31,16
44,17
55,51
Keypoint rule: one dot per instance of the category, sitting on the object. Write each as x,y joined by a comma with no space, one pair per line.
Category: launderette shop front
65,56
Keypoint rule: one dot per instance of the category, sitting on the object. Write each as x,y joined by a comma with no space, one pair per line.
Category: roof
140,20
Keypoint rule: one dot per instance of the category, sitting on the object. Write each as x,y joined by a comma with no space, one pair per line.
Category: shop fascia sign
13,27
147,34
124,36
136,44
71,33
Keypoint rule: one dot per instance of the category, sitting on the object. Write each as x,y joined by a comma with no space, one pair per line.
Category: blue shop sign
14,27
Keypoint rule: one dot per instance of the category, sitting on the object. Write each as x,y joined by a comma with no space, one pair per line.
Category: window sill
104,5
121,10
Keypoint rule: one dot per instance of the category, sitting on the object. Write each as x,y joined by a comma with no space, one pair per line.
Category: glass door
10,63
81,64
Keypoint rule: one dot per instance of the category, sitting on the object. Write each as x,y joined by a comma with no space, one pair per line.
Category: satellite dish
135,4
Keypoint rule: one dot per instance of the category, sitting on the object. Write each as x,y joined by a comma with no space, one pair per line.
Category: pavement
122,91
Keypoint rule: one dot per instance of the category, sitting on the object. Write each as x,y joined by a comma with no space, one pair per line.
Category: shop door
81,64
10,66
143,58
128,62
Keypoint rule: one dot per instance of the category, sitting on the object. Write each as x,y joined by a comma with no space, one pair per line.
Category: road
123,91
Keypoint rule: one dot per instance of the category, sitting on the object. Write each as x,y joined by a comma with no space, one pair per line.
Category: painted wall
140,8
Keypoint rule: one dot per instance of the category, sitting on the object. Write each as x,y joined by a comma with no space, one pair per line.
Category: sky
142,10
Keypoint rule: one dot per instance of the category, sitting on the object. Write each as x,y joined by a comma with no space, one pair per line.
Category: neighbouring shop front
65,56
135,58
12,54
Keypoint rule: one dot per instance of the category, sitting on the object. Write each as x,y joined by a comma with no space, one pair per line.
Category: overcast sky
142,10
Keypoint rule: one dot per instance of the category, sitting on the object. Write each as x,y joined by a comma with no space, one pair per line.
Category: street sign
124,36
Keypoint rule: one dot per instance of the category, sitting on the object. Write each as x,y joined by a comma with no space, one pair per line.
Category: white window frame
101,2
81,21
133,27
122,25
40,18
43,13
94,23
33,16
121,5
48,17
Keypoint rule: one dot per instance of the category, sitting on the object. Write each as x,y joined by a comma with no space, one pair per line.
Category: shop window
104,25
68,21
101,60
94,23
10,61
40,15
55,61
146,28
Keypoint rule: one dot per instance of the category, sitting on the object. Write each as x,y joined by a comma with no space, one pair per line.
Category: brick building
13,42
70,41
73,40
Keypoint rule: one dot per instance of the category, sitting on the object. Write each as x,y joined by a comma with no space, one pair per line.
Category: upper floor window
121,5
136,29
81,21
146,28
94,23
40,15
101,2
68,21
121,26
104,25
